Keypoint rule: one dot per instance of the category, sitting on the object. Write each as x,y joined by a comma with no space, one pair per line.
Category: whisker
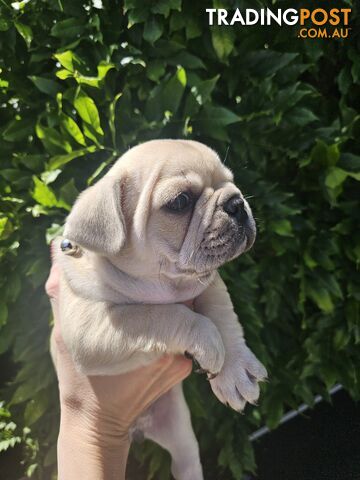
226,154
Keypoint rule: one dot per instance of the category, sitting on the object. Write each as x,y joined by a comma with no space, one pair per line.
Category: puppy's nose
235,208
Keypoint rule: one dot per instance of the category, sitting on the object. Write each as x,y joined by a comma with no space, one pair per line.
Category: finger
167,375
52,283
176,371
167,367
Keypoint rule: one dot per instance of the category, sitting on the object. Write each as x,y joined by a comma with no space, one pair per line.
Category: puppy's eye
180,203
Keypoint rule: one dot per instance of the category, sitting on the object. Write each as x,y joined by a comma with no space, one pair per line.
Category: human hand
97,411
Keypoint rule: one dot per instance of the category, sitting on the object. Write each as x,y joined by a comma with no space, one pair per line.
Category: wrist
90,448
97,421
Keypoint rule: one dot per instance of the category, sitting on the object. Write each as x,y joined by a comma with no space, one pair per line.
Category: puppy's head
165,204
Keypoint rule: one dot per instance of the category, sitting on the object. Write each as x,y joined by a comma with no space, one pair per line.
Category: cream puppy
145,238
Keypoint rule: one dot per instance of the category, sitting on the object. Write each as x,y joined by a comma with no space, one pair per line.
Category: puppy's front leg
238,380
109,339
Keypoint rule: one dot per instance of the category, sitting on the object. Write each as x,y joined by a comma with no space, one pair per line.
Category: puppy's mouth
222,234
220,245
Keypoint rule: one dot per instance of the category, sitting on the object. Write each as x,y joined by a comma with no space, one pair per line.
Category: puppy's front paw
238,381
207,348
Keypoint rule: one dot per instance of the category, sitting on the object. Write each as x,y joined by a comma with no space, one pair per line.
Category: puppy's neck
166,284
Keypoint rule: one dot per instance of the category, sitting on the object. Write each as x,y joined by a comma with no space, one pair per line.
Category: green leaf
274,405
163,7
341,339
71,127
322,298
86,108
350,162
45,85
25,31
301,116
68,192
18,129
264,63
220,115
223,41
167,97
334,177
155,70
63,74
50,176
212,121
193,28
36,408
90,133
69,28
137,15
309,261
112,115
54,231
203,90
153,30
44,195
186,60
6,227
103,68
333,154
324,154
23,393
67,59
9,442
173,91
344,80
304,392
282,228
355,69
354,175
61,160
52,139
95,82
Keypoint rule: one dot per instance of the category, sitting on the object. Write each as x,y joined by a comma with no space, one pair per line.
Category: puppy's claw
195,362
251,377
209,375
188,355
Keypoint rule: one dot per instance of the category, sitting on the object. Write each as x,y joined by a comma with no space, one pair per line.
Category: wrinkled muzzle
221,229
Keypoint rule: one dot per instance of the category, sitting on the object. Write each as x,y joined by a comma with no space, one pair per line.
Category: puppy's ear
96,221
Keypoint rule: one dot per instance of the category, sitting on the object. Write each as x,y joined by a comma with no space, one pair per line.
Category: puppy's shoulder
78,272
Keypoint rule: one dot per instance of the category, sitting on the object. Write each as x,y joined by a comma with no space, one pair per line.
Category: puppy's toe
258,371
248,388
254,368
230,397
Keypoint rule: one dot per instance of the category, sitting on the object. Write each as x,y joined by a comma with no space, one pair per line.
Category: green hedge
80,85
